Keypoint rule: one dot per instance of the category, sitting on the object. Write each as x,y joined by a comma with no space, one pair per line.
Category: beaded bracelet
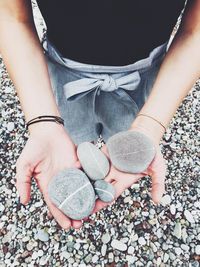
153,119
56,119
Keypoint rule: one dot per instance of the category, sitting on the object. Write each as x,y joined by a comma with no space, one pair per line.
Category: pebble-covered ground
132,232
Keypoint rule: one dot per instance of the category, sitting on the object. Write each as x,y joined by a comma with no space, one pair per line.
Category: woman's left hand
121,180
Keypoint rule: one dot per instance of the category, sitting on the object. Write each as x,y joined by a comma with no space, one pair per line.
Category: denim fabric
87,95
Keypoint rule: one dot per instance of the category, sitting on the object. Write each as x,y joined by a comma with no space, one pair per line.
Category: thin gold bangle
153,119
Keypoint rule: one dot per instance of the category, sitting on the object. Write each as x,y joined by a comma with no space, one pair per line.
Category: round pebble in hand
131,151
104,190
72,192
93,161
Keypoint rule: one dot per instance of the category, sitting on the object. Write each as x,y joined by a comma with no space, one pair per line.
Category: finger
158,178
23,181
77,224
59,216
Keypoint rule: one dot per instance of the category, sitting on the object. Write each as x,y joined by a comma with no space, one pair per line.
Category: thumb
23,181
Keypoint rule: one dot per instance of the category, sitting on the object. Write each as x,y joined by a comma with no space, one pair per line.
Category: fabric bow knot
76,89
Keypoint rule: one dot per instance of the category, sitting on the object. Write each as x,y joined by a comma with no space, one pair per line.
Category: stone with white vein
130,151
72,192
104,190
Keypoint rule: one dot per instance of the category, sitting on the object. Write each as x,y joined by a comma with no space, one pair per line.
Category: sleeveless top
109,32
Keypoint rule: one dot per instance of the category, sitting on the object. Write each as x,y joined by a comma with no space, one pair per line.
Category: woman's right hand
48,150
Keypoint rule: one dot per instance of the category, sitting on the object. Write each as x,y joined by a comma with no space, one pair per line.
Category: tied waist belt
74,90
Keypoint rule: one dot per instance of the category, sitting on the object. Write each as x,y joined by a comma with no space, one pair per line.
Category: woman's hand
48,150
122,180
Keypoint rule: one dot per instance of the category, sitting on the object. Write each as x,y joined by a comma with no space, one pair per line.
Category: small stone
87,258
166,257
178,251
197,249
111,256
165,200
189,217
65,255
177,230
93,161
134,238
8,90
118,245
40,253
34,255
105,238
104,190
185,247
1,207
141,241
173,209
72,192
131,250
95,258
10,126
130,151
42,235
172,256
103,249
28,223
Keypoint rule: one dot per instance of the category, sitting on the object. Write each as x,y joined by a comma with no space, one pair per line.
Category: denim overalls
97,99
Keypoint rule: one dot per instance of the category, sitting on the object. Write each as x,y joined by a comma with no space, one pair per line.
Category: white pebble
173,209
118,245
197,204
1,207
185,247
188,215
34,255
95,258
131,250
177,230
10,126
130,259
166,257
111,256
178,251
42,235
65,254
197,250
134,238
165,200
103,249
105,238
141,241
8,90
40,253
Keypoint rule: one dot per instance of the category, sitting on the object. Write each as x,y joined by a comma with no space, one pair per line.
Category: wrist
149,127
45,128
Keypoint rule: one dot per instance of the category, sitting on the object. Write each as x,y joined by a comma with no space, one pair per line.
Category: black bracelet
56,119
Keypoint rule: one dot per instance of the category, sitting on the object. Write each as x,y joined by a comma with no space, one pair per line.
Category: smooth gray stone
104,190
72,192
93,161
130,151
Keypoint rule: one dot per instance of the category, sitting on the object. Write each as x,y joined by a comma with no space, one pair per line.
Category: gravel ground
131,232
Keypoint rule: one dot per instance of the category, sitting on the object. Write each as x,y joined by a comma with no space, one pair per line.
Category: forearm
178,72
25,62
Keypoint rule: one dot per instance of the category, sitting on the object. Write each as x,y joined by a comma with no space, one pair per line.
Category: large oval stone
130,151
104,190
72,192
93,161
